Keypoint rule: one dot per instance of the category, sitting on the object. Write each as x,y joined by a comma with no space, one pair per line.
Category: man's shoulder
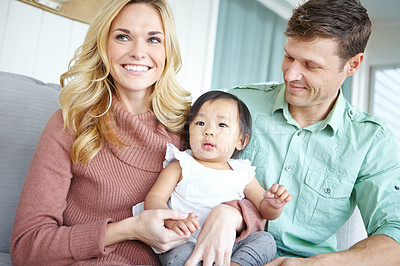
257,87
366,121
258,97
262,93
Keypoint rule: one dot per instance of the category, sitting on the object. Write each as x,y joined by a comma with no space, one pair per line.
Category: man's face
313,72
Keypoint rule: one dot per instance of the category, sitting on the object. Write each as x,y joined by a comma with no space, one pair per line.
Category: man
328,154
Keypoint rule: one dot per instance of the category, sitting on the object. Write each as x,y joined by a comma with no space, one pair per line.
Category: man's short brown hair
345,21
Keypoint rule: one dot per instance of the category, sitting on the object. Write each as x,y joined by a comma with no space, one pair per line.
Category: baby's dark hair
244,115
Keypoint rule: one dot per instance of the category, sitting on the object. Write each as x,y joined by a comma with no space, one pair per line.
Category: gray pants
256,249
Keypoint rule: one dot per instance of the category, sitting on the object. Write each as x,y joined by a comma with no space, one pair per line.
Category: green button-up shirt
348,159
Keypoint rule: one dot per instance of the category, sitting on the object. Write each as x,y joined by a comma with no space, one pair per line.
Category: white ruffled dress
202,188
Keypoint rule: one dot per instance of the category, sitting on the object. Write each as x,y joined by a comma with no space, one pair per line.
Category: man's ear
243,142
354,64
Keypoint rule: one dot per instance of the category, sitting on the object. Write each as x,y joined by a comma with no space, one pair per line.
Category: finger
281,189
268,195
220,259
283,196
227,258
275,262
191,227
289,198
194,259
164,214
177,230
195,222
183,227
209,261
274,188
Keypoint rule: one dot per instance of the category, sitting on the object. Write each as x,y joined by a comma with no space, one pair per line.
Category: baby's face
215,132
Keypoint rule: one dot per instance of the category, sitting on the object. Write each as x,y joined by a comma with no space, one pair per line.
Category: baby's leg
177,256
256,249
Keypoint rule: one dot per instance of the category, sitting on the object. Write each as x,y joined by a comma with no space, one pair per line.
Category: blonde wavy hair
87,86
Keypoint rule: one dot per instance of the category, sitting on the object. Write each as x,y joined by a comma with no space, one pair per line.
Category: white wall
383,48
384,45
196,23
40,44
36,43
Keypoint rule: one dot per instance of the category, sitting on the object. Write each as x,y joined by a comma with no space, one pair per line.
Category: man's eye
310,66
289,57
200,123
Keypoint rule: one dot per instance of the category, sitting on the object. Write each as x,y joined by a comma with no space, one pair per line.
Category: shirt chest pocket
324,202
328,185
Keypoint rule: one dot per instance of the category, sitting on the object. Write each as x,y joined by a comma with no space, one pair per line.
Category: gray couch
26,105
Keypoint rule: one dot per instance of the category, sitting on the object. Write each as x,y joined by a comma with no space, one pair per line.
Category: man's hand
288,261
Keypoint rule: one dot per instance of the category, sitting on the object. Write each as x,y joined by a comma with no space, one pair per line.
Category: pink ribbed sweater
64,208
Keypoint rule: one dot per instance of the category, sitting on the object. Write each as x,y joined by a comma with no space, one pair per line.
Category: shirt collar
335,116
280,100
333,120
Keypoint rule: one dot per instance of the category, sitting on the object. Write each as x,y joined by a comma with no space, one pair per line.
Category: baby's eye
200,123
222,125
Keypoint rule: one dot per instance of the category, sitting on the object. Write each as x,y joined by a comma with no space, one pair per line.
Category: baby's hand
277,196
184,227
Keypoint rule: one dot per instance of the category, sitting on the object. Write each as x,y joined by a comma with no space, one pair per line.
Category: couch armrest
26,105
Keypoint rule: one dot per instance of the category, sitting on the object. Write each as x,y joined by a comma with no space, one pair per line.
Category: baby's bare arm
162,189
269,202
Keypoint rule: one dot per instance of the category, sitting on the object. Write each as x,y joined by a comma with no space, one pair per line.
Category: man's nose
294,72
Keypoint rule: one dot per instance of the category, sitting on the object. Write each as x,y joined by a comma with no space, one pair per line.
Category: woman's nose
138,49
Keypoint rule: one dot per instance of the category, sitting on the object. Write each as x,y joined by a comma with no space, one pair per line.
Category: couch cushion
26,105
5,259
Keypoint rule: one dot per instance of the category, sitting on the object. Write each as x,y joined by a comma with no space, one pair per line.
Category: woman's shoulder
55,128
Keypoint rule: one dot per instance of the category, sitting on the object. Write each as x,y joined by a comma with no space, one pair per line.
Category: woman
101,153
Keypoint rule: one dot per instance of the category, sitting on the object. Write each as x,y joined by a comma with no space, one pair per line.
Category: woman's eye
154,40
222,125
200,123
121,37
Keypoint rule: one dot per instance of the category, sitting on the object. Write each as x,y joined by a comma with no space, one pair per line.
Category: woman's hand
148,227
217,236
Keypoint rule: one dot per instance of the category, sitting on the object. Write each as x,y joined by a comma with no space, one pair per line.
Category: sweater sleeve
40,236
254,222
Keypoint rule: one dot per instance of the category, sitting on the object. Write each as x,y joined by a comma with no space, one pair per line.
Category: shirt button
396,187
327,190
288,168
299,133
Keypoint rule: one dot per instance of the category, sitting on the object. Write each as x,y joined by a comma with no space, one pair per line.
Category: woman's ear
243,142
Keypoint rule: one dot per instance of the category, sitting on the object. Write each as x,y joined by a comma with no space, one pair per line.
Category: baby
196,180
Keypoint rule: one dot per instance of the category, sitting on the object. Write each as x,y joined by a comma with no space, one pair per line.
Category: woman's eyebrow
156,33
123,30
